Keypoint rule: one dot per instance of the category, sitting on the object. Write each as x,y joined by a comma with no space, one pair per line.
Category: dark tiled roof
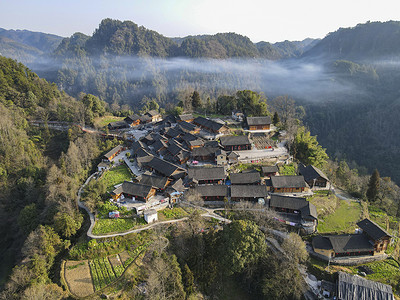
204,151
186,127
306,208
310,173
132,118
295,203
153,113
113,151
214,173
288,182
142,152
195,143
118,124
212,190
372,229
164,167
245,178
185,117
351,287
258,120
145,119
350,243
207,123
142,161
233,154
232,140
270,169
248,191
156,181
173,132
188,137
212,144
178,185
159,144
135,189
321,242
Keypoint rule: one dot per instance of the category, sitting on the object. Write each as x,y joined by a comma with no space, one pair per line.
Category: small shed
150,215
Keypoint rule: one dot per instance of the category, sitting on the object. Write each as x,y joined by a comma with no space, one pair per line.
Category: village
220,163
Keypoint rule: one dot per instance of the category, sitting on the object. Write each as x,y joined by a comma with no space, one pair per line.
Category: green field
102,272
324,202
103,226
172,213
287,170
343,220
116,175
103,121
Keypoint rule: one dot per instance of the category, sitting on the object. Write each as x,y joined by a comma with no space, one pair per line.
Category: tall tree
373,186
276,119
196,101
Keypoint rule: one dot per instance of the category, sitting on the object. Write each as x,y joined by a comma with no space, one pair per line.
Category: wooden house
160,183
372,240
215,175
306,212
248,192
165,168
246,178
212,192
235,143
132,190
117,125
269,171
154,115
259,123
314,177
185,118
113,153
188,127
204,153
377,236
210,125
288,184
132,120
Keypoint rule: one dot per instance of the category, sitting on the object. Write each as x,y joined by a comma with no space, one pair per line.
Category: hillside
364,42
26,46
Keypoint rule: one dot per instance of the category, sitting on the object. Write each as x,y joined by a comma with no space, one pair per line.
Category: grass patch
116,175
343,220
172,213
103,121
287,170
103,226
326,204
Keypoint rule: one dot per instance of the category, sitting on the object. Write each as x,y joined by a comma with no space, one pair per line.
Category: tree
28,219
276,119
196,101
66,224
295,248
241,243
188,280
307,150
373,186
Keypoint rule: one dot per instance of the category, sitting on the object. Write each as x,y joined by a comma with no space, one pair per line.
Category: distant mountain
364,42
25,46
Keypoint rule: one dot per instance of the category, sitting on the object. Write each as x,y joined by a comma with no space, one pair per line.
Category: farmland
77,274
103,121
116,175
88,276
104,226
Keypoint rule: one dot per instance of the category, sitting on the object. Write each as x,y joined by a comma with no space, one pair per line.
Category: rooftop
288,182
214,173
248,191
233,140
245,178
372,229
258,120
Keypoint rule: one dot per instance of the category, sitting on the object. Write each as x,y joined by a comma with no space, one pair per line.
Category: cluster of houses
175,158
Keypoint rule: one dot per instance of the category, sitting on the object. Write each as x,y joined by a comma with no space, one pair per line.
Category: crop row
102,272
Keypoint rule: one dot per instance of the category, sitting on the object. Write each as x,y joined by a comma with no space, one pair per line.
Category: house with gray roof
235,143
314,177
202,175
246,178
259,123
212,192
288,184
248,192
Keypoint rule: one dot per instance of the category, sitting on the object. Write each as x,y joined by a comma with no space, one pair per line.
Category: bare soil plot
78,278
124,256
116,265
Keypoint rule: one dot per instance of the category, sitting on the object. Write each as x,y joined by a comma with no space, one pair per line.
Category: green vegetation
100,122
325,202
104,226
289,169
116,176
172,213
343,220
102,272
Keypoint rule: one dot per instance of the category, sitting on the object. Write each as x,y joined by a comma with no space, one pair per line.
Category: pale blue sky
260,20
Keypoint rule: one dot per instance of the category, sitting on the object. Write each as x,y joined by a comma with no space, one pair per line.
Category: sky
260,20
